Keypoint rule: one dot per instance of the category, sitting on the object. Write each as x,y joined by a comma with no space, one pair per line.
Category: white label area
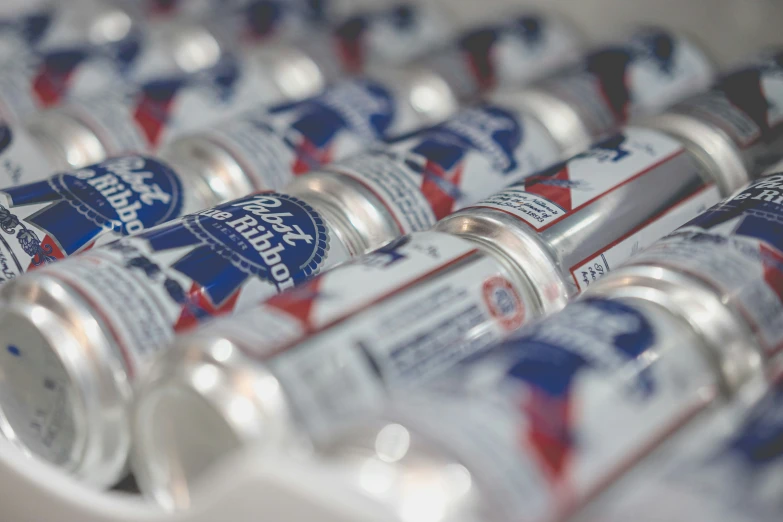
605,260
424,178
543,200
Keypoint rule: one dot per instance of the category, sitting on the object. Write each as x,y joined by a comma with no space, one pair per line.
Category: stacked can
145,117
262,150
178,275
332,348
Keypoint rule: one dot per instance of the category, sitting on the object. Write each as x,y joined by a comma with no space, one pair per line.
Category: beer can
418,179
637,186
135,293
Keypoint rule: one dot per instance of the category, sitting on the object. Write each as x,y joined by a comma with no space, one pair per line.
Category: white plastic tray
251,487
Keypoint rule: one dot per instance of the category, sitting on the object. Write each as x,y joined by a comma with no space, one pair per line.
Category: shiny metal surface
426,97
708,144
87,432
357,220
66,140
209,168
561,119
618,213
727,340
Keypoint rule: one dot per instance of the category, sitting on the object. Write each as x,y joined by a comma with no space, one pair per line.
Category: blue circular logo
276,237
126,194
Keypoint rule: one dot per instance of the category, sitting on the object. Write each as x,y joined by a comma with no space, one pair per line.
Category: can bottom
40,412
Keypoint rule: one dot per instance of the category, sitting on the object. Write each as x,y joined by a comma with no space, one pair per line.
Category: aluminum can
418,179
545,202
721,470
544,422
137,292
272,157
612,85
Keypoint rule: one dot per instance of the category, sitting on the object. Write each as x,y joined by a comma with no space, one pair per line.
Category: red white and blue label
149,286
67,213
393,35
146,118
21,159
432,173
645,75
552,197
507,55
747,103
36,80
547,198
549,418
275,144
387,320
737,248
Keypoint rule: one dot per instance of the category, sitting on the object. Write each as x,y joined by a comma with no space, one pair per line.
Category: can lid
199,404
727,341
709,144
63,391
67,141
560,119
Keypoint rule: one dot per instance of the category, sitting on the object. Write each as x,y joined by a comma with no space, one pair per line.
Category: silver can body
41,25
586,216
734,249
